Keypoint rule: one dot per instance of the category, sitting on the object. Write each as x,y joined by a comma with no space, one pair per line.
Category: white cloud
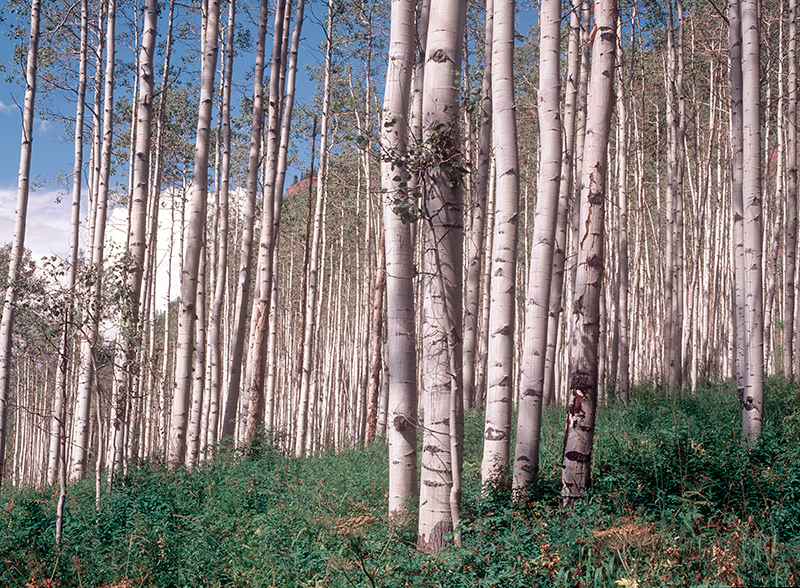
6,108
47,227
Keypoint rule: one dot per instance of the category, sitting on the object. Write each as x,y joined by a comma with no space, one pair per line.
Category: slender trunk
246,254
582,400
18,241
259,335
537,309
186,322
375,365
790,246
400,325
473,294
500,375
57,437
80,434
753,399
215,325
311,299
565,197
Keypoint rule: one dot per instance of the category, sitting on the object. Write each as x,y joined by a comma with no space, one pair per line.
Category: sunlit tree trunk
500,374
753,398
443,236
583,369
215,323
131,335
623,366
246,253
313,265
537,308
187,314
400,326
81,420
737,202
280,179
565,197
57,429
18,241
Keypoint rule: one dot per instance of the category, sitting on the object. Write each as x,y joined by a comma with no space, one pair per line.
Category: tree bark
753,398
441,339
583,382
400,325
500,375
526,455
791,200
186,320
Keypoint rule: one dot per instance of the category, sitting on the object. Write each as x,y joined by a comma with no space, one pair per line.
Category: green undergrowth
676,500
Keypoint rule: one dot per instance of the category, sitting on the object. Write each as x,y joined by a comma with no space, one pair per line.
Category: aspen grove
353,221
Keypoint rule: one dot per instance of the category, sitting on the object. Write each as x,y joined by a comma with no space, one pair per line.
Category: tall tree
753,398
583,369
442,252
526,455
500,371
194,245
131,335
473,283
82,418
400,327
791,200
215,323
58,427
18,241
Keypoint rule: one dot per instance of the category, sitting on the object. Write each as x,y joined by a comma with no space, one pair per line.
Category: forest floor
676,501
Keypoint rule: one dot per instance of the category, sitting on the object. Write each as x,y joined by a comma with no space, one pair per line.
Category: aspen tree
375,363
246,253
791,200
259,334
81,420
18,241
474,274
286,125
311,298
622,325
500,371
583,369
565,197
537,309
441,317
194,245
215,322
737,202
131,338
400,326
753,399
58,426
58,435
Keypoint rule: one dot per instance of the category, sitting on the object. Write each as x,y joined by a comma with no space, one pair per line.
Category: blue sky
49,201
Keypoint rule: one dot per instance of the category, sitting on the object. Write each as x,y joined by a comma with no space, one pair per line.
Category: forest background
458,235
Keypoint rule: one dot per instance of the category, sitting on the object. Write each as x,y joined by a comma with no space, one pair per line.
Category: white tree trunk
753,398
186,321
500,374
400,326
537,308
791,200
583,382
441,323
81,420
